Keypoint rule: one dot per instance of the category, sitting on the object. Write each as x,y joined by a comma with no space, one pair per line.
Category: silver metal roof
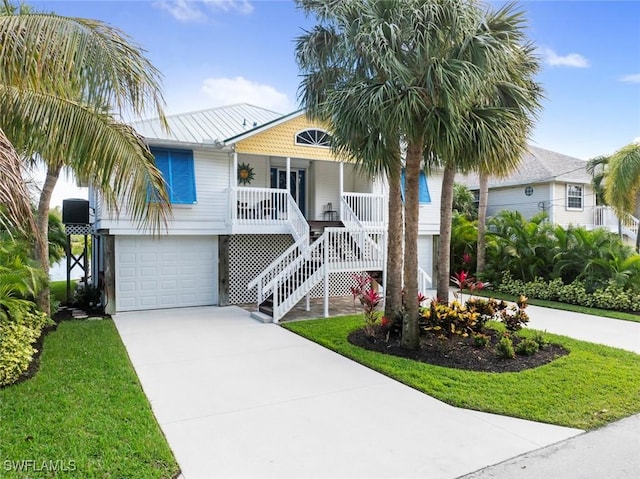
537,166
207,126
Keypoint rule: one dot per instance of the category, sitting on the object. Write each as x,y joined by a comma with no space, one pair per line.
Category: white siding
327,188
564,216
207,216
430,213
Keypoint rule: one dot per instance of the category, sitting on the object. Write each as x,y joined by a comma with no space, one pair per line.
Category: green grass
84,408
59,289
606,313
588,388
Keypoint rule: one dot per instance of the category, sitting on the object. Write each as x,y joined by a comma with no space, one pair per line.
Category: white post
288,175
308,302
341,188
326,277
232,187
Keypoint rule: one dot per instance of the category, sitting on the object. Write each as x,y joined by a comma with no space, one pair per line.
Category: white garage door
166,272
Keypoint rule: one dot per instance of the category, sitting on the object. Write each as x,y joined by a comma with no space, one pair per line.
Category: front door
297,181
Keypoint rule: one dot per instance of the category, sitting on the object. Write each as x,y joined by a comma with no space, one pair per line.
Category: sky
220,52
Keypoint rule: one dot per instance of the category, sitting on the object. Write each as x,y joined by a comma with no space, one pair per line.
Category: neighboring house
262,212
553,183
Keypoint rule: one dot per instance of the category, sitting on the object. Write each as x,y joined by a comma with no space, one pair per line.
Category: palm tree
63,84
510,110
403,71
622,181
323,55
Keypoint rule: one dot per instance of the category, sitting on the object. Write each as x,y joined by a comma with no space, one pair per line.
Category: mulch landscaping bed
459,352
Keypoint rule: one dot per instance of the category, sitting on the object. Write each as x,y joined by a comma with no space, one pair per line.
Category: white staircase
355,247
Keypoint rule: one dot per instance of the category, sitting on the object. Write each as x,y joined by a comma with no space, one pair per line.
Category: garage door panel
173,271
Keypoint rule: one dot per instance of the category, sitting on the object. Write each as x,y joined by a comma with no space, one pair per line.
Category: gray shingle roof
207,126
537,166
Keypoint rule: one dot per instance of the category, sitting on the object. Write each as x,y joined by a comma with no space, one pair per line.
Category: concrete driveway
238,398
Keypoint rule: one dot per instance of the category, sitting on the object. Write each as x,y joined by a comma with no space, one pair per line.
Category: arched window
313,137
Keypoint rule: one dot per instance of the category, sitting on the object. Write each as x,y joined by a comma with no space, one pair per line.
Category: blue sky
217,52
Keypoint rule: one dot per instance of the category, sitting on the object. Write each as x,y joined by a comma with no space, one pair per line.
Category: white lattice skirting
249,255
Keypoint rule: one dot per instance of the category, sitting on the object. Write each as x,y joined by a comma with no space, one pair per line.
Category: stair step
263,318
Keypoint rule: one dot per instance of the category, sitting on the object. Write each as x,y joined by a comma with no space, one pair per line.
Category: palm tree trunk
482,223
42,223
444,253
410,329
393,281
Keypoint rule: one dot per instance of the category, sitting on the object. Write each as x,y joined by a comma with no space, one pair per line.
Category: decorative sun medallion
245,174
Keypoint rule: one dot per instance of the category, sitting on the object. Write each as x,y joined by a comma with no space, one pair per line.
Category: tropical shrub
17,335
20,321
527,347
447,320
505,349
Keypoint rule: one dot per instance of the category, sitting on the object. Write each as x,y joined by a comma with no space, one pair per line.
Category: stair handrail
368,259
350,216
425,281
299,229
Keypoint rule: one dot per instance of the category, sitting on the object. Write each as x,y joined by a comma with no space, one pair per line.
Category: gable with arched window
313,137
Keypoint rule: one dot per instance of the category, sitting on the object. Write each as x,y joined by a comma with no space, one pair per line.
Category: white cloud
194,11
227,91
635,78
636,139
574,60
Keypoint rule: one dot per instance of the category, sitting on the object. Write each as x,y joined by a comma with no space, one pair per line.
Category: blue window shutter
177,169
183,188
423,194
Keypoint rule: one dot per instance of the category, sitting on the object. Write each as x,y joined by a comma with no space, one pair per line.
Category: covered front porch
276,195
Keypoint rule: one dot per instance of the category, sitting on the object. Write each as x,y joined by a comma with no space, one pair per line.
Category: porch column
288,175
233,183
341,182
234,173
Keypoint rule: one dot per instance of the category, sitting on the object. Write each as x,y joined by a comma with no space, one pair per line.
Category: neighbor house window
423,194
574,197
313,137
528,190
178,172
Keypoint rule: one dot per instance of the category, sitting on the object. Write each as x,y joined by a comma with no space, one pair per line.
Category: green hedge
611,297
17,335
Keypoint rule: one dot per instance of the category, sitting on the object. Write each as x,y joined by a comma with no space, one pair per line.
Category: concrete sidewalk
612,452
237,398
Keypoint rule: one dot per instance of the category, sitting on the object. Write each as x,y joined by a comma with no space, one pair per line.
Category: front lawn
84,412
590,387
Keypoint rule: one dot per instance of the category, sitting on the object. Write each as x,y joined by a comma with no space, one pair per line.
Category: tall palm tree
325,56
64,82
622,181
409,70
510,109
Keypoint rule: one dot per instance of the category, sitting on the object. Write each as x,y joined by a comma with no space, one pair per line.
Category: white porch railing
604,216
368,208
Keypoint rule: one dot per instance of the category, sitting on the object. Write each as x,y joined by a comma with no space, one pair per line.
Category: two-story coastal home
262,212
556,184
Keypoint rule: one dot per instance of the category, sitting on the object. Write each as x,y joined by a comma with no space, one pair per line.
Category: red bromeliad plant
463,280
369,299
